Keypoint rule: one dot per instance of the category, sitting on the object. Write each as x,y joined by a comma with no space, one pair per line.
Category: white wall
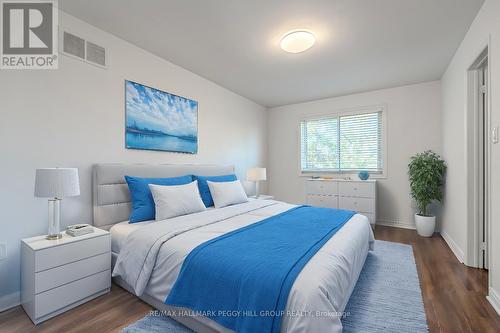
74,117
413,125
454,86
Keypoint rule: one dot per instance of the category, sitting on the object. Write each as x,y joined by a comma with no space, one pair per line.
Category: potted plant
426,171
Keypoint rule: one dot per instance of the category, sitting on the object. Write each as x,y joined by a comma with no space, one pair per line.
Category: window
343,142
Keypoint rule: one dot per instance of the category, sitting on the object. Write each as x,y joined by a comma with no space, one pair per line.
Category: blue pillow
205,191
143,206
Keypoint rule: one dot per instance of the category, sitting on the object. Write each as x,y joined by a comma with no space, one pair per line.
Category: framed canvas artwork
158,120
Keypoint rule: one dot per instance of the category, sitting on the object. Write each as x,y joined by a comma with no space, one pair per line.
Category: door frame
475,211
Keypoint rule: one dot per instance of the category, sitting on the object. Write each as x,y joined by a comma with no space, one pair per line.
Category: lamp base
54,237
54,216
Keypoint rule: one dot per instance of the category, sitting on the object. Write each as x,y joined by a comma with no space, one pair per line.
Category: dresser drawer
70,293
60,275
66,253
321,187
362,205
357,189
328,201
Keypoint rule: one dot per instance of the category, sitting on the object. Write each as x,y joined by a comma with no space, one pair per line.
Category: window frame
347,112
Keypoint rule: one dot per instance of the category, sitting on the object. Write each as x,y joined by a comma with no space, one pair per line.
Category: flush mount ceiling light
297,41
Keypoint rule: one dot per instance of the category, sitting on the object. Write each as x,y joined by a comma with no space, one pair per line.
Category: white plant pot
425,225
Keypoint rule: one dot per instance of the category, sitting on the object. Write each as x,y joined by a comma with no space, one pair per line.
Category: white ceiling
361,44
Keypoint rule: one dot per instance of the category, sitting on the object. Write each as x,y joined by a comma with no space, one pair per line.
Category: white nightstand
263,197
57,275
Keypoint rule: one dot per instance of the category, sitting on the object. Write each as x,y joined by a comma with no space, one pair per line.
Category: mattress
325,283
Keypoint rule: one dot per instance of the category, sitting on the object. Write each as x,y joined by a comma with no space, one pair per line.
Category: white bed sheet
120,231
323,287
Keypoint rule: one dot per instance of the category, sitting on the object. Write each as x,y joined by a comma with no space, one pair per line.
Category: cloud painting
157,120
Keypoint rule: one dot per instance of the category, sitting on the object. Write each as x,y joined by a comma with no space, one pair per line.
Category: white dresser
57,275
358,195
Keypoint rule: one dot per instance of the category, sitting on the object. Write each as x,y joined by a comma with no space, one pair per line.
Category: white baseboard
494,299
457,251
10,301
396,223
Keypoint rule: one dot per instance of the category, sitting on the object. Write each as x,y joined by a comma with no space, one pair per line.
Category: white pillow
175,200
227,193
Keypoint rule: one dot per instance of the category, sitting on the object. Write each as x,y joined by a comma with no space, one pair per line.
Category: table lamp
55,184
256,175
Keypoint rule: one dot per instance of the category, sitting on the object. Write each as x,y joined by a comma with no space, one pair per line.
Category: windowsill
341,176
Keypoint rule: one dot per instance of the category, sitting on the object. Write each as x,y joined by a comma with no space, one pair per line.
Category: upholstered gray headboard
111,198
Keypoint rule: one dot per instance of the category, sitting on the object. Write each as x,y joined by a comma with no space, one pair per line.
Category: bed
318,296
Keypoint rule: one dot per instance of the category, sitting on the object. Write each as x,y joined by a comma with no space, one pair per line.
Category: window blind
342,143
320,144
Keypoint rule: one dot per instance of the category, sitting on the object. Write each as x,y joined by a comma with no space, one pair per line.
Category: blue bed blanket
242,279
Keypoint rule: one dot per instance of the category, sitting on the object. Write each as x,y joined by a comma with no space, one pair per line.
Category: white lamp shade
57,182
256,174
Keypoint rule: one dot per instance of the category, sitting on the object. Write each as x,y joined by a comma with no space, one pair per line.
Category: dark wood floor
454,296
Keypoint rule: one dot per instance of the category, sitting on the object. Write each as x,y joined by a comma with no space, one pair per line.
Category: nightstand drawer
328,201
70,293
60,275
362,205
357,189
66,253
321,187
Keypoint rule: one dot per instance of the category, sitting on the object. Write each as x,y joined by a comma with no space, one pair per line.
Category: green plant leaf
426,173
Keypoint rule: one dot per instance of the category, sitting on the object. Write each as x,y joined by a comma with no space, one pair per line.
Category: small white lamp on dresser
55,184
256,175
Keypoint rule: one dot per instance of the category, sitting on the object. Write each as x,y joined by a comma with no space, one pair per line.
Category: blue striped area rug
387,297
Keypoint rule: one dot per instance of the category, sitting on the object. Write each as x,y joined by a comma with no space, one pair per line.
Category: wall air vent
79,48
74,45
96,54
